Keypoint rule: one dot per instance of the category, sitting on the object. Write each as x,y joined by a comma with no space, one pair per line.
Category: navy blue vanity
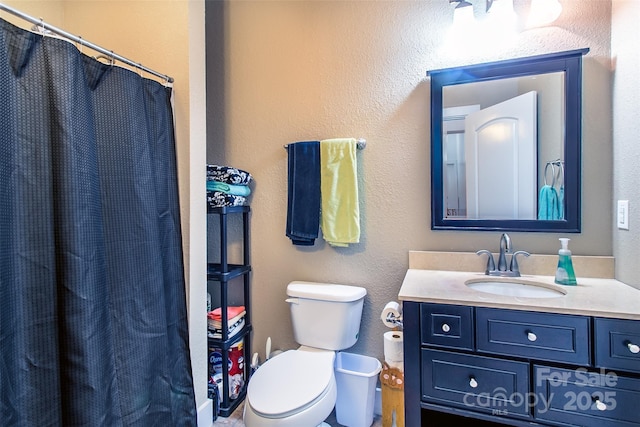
517,361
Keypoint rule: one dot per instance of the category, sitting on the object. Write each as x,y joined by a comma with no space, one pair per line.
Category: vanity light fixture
462,36
501,12
463,13
543,12
501,20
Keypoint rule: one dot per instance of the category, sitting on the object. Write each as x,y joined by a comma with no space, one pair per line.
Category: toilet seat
291,382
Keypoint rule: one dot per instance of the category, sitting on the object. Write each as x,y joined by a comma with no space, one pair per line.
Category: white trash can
356,378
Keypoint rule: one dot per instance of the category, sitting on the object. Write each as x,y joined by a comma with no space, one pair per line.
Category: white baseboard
205,414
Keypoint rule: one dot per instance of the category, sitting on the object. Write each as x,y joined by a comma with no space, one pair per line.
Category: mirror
505,145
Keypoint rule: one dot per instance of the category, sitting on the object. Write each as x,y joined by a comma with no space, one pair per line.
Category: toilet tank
325,315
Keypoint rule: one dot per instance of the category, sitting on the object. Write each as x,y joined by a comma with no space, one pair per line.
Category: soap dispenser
565,274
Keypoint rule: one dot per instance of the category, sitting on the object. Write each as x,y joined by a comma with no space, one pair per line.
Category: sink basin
516,288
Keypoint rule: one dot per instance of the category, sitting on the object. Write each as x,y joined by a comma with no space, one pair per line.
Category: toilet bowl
295,389
298,387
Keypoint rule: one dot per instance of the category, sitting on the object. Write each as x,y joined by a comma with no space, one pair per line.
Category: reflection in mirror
493,125
506,144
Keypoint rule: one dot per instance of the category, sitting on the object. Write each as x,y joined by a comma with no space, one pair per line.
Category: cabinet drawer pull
633,348
447,328
473,383
531,336
600,405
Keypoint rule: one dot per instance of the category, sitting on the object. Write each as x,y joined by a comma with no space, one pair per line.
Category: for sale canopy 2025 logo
577,390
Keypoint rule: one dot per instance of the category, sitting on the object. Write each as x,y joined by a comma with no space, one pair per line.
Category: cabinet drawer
476,383
553,337
447,325
584,398
617,344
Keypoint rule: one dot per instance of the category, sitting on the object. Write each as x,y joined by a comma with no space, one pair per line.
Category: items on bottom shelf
215,398
236,369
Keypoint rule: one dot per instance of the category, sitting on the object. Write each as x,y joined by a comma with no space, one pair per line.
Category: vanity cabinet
520,368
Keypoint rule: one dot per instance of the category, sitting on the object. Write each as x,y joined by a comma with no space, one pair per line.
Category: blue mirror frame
570,63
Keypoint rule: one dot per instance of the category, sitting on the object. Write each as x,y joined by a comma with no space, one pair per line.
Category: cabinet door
585,398
476,383
543,336
617,344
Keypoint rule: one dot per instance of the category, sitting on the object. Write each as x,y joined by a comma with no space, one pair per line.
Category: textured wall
626,128
51,11
319,69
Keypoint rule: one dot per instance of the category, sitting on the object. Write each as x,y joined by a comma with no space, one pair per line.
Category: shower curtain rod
82,42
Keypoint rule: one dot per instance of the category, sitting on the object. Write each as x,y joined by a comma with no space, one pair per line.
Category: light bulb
463,14
543,12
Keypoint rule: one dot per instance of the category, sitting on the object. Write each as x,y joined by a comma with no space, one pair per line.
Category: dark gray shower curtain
93,324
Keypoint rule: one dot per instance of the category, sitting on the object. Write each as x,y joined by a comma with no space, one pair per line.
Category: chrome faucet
505,248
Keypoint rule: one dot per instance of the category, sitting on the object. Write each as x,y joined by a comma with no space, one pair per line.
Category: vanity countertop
592,296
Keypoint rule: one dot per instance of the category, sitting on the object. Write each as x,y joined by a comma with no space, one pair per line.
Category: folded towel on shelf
236,190
217,324
216,333
232,311
228,174
339,189
303,189
548,204
217,199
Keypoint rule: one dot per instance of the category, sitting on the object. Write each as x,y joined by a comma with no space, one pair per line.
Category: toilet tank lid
325,291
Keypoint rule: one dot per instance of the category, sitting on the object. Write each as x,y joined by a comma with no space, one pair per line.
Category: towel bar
361,143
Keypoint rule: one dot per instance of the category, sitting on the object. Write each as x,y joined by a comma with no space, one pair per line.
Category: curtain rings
110,59
39,28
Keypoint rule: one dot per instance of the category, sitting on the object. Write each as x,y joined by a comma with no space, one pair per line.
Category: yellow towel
339,191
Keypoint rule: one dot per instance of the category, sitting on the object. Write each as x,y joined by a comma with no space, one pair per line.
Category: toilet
297,388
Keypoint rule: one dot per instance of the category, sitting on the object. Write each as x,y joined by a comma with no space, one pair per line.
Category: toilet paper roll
393,346
394,309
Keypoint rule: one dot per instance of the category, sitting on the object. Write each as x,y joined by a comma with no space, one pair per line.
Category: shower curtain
93,323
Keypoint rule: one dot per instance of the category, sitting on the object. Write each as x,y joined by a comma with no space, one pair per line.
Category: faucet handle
514,262
491,266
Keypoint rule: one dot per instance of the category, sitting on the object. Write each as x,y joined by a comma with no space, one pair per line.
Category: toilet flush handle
292,300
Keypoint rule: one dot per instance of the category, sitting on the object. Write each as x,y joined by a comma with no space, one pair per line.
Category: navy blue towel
303,202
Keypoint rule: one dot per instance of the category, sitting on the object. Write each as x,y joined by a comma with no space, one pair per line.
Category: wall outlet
623,214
